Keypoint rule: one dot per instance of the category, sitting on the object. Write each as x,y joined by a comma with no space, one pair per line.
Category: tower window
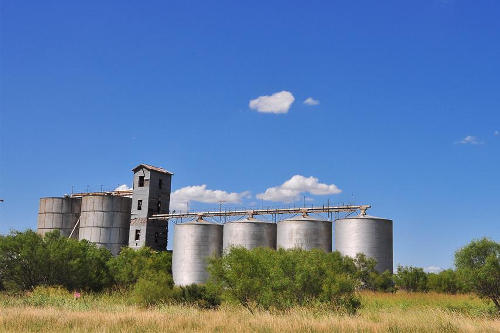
158,207
139,204
137,234
141,181
156,237
160,183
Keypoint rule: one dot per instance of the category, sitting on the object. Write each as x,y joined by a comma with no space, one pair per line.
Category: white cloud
496,133
470,140
433,269
279,102
311,101
200,193
123,187
291,189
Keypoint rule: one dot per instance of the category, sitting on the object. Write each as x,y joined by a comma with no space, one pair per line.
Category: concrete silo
366,234
57,213
305,232
105,220
249,233
194,243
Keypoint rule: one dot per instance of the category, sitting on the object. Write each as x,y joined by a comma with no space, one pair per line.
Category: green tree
446,281
28,260
130,265
266,278
200,295
366,271
384,282
22,256
411,278
76,264
478,264
151,289
371,279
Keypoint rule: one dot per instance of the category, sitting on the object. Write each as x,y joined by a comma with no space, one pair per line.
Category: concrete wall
159,195
152,233
58,214
155,200
105,221
140,193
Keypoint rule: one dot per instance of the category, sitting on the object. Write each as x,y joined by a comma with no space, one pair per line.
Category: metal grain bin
105,221
60,214
305,232
194,243
366,234
249,233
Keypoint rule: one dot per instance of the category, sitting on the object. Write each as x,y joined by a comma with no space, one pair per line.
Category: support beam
252,212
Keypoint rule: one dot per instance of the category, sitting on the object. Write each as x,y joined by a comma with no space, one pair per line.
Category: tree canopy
478,264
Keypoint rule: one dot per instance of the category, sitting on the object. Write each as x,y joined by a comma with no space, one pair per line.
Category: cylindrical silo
105,221
305,232
249,233
366,234
58,214
194,243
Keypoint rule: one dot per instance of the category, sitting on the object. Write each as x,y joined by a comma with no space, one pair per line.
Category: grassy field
400,312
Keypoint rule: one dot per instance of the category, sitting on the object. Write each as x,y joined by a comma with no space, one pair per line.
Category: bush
384,282
446,281
411,278
269,279
130,265
200,296
369,278
154,289
28,260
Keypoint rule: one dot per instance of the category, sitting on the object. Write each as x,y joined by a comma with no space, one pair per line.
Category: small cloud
290,190
470,140
123,187
311,101
200,193
445,3
433,269
279,102
496,133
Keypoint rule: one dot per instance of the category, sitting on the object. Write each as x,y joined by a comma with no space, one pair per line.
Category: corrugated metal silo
58,214
366,234
305,232
105,220
194,242
249,233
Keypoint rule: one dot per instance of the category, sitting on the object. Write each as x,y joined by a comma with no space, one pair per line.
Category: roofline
152,168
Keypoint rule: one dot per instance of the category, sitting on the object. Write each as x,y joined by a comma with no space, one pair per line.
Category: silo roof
153,168
365,217
195,222
249,220
305,218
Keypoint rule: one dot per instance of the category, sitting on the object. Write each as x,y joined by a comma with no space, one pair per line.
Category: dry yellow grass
381,313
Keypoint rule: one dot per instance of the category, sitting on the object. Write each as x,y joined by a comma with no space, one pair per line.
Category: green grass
55,310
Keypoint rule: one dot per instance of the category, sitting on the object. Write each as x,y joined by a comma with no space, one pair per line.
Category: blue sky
90,89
